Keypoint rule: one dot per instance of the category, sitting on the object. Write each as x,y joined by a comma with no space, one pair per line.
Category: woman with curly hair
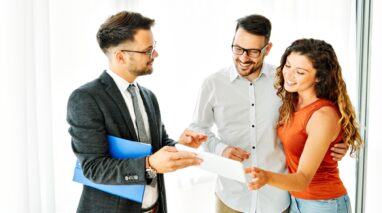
315,114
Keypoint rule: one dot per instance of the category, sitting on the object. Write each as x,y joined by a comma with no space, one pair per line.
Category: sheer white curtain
39,41
48,48
26,179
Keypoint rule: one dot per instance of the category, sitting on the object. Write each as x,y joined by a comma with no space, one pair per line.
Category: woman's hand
260,178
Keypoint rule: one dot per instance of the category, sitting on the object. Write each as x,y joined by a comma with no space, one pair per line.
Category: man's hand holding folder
121,149
166,159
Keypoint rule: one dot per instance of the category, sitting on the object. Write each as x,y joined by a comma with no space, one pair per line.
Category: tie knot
131,89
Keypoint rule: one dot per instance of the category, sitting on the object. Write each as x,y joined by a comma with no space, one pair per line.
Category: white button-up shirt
245,114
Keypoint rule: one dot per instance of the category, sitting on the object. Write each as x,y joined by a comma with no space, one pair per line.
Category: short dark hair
121,27
256,24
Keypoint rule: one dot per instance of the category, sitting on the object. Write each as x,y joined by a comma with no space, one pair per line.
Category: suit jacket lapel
112,89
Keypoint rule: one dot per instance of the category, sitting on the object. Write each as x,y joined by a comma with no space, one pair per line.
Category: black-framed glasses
148,52
253,53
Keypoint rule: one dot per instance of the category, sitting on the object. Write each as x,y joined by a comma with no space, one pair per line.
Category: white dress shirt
245,114
150,195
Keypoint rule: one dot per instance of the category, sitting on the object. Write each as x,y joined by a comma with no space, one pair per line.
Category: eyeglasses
253,53
148,52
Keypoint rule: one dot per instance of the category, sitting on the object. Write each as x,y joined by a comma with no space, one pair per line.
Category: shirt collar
121,83
233,74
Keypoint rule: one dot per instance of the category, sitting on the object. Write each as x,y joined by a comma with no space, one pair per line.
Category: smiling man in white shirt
242,102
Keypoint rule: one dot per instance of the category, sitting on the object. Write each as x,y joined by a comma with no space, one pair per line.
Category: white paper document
217,164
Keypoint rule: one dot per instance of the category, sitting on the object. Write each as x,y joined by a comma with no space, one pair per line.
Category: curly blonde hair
330,86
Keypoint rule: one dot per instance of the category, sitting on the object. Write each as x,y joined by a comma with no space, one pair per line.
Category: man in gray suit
114,104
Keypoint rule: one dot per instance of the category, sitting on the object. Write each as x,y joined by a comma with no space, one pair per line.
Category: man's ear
114,55
119,57
268,48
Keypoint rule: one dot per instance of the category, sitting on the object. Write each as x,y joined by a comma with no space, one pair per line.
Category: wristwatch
151,173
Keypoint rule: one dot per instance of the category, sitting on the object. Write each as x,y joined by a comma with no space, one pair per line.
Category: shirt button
253,147
250,84
253,104
253,126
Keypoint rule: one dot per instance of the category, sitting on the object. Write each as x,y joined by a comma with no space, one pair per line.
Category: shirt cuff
220,147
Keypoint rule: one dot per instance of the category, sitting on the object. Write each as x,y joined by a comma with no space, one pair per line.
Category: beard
144,71
256,66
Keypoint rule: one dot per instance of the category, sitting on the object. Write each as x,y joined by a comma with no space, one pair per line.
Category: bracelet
150,171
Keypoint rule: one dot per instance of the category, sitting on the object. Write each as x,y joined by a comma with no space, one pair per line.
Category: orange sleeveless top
326,183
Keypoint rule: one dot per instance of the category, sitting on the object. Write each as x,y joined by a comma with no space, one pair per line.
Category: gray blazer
95,110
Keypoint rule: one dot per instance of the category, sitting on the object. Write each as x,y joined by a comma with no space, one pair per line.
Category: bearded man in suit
115,104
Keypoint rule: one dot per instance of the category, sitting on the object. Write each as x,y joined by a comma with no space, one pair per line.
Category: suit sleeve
88,131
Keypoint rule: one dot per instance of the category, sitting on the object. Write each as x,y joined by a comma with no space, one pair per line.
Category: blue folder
121,149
